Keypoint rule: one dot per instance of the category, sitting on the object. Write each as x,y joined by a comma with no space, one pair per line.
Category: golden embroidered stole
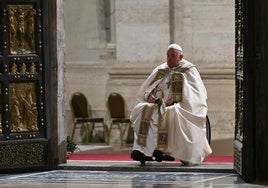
162,137
144,124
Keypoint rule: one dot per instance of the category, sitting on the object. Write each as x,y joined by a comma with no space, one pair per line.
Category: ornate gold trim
21,154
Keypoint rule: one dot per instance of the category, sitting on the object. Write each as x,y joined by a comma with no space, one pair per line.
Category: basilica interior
50,50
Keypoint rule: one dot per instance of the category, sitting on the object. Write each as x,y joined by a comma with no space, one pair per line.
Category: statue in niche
22,29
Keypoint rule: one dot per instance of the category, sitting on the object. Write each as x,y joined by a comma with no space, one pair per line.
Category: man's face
173,57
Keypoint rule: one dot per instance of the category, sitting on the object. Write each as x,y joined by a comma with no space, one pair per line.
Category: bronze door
239,75
251,141
23,125
244,124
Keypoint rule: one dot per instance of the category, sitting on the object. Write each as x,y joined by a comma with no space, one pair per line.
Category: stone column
61,94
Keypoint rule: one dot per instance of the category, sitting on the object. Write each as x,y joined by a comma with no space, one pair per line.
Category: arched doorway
251,144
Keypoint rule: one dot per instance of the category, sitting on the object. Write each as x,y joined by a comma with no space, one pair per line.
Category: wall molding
143,72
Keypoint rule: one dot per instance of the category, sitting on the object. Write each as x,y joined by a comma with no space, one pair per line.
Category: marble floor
117,179
117,174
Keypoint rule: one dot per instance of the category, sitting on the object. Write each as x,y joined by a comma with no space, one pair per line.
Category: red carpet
126,157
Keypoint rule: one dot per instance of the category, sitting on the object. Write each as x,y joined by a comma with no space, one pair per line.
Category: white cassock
186,119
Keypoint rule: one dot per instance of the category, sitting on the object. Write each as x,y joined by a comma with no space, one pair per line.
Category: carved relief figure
30,30
32,68
30,112
14,68
15,116
12,26
23,68
15,112
21,29
23,110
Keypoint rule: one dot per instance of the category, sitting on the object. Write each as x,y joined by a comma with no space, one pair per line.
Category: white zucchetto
175,46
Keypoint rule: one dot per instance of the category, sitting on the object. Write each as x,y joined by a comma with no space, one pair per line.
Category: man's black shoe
168,158
160,156
139,156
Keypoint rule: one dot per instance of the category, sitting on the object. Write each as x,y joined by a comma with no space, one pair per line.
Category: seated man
169,119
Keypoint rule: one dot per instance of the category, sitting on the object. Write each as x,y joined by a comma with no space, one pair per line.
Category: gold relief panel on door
21,29
23,110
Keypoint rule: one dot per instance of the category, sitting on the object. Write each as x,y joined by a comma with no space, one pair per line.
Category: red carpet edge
126,157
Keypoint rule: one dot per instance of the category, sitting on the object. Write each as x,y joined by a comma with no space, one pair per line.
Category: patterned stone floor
102,174
118,179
